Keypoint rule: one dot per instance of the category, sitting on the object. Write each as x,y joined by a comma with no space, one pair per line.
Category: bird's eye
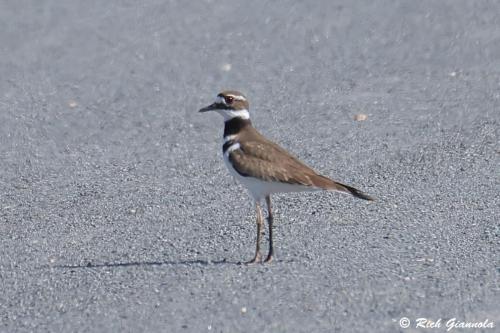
229,99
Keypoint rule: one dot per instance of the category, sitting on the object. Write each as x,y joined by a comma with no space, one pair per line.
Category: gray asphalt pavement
117,213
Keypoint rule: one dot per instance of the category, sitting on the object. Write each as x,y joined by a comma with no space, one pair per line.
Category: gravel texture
117,213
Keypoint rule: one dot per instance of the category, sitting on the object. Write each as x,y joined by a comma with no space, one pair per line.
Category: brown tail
328,184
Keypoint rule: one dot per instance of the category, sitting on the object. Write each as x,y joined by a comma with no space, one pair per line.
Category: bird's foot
255,260
269,258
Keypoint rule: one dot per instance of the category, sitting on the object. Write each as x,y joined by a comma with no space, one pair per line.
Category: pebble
360,117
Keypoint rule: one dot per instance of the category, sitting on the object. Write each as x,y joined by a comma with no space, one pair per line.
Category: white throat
230,114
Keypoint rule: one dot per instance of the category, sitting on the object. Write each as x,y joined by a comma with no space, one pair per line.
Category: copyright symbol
404,322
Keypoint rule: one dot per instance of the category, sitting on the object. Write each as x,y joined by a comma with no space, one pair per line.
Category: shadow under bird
262,166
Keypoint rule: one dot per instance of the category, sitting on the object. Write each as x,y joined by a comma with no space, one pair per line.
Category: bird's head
229,104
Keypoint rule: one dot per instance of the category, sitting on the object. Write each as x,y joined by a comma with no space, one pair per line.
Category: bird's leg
259,234
270,222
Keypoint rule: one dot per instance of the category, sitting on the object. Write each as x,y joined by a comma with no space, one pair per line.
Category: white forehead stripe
220,99
238,97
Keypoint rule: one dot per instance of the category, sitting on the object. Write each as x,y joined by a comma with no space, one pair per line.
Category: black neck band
233,126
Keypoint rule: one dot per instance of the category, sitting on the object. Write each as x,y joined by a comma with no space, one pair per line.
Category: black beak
211,107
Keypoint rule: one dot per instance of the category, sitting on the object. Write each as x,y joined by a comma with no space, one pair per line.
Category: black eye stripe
229,99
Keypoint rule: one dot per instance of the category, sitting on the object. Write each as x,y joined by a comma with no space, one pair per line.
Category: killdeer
262,166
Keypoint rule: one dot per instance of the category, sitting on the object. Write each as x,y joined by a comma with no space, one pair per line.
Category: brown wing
267,161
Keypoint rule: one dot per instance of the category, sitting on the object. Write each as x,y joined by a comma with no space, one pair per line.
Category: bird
262,166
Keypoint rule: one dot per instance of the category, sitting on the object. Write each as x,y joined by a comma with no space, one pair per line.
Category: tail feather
328,184
355,192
